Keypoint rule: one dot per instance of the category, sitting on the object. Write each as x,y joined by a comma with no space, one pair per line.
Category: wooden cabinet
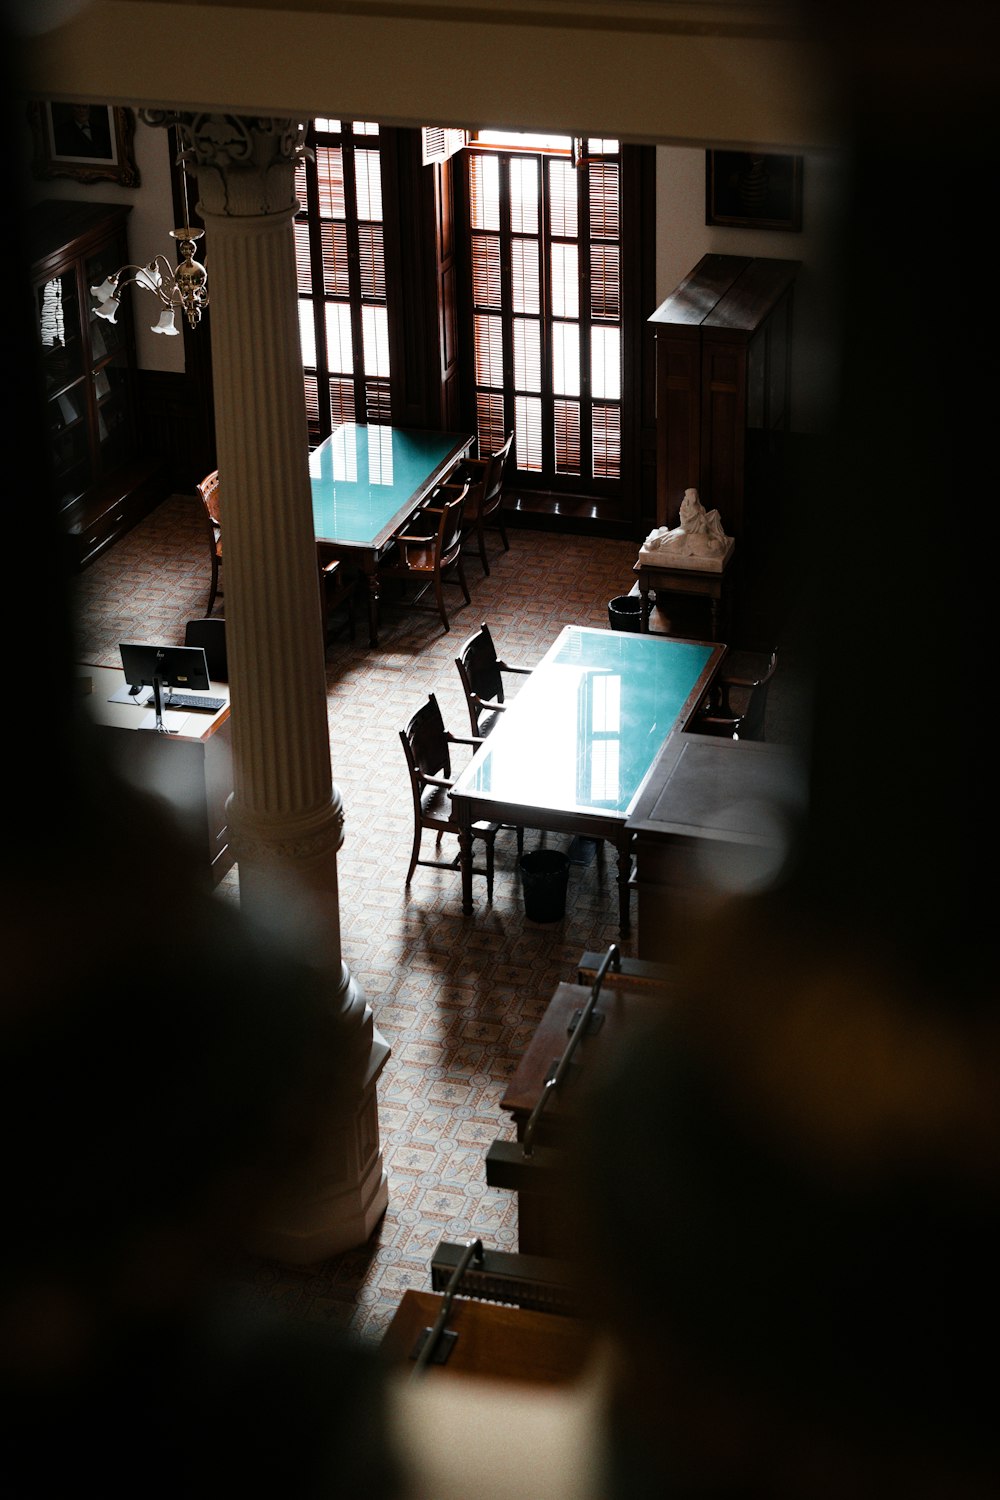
101,484
723,381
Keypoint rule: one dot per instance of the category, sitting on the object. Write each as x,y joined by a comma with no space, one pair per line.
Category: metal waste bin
625,612
544,877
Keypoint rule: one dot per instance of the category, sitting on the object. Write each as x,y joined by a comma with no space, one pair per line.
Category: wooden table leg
372,581
465,860
624,847
645,606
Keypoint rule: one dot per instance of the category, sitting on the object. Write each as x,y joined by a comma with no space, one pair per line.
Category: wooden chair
337,586
430,549
208,492
483,507
427,747
481,671
210,635
736,705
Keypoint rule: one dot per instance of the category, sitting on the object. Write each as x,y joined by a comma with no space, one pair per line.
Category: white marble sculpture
697,542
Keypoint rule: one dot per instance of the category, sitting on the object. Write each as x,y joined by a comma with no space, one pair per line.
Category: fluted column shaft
286,816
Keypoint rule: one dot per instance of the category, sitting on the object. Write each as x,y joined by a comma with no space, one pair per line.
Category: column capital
245,165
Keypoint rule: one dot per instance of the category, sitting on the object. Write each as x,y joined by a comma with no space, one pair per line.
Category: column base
338,1211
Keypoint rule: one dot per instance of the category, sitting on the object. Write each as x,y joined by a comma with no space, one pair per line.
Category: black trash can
625,612
544,876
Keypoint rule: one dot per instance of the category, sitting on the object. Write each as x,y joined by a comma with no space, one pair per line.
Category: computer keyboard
194,700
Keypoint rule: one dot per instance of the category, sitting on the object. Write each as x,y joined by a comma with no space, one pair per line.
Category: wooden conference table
366,483
576,745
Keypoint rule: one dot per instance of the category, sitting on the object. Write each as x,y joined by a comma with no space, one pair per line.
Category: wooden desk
716,587
711,818
366,483
537,1180
191,769
493,1340
572,751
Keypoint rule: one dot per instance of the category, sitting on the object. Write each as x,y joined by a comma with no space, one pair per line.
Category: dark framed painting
89,142
747,190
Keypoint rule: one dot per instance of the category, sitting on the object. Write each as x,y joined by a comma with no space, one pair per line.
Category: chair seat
428,558
427,745
435,809
419,559
436,812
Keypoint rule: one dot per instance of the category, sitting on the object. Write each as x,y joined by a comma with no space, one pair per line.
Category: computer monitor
159,667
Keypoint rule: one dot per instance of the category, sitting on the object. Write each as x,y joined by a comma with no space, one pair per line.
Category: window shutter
489,350
330,180
439,142
341,401
371,256
490,428
312,407
567,435
607,440
303,268
336,271
604,214
605,282
486,271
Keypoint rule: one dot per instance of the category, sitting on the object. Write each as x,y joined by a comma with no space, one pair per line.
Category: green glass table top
367,479
586,726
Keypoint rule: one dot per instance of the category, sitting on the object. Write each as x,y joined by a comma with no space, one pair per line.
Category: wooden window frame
633,494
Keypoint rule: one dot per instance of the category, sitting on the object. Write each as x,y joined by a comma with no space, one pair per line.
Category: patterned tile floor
456,998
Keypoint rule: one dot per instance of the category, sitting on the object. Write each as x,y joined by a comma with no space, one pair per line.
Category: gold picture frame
88,142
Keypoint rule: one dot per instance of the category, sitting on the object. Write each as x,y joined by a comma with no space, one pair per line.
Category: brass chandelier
179,289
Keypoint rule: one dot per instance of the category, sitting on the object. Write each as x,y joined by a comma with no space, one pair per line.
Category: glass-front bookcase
99,483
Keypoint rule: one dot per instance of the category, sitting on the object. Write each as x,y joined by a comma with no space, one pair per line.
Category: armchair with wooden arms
480,670
430,547
484,505
337,586
736,704
211,504
427,747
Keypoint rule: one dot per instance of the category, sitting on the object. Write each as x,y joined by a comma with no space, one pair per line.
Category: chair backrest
493,477
754,714
480,672
208,489
210,634
449,535
736,705
425,742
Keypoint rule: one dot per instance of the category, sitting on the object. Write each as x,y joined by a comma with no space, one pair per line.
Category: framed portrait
747,190
89,142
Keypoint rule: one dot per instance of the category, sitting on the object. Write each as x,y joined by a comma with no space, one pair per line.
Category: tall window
546,305
340,256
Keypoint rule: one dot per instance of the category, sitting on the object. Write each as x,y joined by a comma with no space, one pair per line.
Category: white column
286,816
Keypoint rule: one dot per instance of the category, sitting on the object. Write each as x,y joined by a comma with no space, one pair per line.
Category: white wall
682,238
